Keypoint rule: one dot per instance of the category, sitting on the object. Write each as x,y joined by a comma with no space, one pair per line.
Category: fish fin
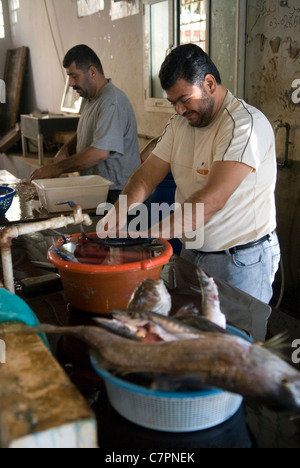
277,344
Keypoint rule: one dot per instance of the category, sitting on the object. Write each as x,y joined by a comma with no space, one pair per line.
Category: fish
147,326
116,326
211,308
190,315
138,329
216,360
151,295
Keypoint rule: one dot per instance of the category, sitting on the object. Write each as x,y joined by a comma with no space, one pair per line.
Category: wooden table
39,406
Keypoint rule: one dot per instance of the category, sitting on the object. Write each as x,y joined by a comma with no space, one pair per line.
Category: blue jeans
252,270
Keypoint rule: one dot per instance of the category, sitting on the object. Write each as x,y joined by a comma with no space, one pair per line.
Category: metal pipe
10,233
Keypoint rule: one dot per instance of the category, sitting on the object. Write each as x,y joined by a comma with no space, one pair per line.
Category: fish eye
284,381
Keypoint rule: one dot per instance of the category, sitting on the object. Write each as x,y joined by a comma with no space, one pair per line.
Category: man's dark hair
84,57
188,62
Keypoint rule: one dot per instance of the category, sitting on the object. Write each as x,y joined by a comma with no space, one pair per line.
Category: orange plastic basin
99,288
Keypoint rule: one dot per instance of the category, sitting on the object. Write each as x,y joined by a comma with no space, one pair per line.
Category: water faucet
287,126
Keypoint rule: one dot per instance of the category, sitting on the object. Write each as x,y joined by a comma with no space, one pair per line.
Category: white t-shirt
2,92
240,133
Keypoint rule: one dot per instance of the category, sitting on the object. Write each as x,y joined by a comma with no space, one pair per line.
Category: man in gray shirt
106,142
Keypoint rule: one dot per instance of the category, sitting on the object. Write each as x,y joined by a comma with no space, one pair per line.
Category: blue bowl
167,411
6,198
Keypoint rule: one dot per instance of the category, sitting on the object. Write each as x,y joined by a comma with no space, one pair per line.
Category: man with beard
106,142
221,152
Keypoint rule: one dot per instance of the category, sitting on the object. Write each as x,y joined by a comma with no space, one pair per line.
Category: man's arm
67,150
84,160
149,175
139,187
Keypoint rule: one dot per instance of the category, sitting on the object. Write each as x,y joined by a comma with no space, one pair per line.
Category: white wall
119,45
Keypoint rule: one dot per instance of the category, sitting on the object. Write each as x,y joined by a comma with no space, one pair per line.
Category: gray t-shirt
108,123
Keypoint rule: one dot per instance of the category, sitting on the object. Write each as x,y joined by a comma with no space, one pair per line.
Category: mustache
187,113
76,88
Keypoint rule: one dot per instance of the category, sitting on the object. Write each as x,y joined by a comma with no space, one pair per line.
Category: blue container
170,411
6,197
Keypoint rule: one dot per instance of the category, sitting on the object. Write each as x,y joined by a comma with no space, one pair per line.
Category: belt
233,250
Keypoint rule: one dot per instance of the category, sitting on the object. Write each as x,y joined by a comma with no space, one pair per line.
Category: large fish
216,360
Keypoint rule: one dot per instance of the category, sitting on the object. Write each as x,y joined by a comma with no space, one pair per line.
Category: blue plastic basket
170,411
6,197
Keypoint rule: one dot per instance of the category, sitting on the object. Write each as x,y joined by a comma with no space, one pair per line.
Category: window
218,26
193,23
168,23
158,27
2,29
14,6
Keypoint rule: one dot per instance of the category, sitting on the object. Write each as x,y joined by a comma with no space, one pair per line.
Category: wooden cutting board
39,406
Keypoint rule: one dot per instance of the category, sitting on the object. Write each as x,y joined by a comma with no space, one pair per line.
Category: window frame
153,103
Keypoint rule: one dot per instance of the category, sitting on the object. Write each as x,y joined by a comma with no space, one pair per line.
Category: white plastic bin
86,191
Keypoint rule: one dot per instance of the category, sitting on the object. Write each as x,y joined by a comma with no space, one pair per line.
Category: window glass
2,29
193,24
159,43
14,6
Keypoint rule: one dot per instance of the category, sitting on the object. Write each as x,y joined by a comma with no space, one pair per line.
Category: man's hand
85,160
45,172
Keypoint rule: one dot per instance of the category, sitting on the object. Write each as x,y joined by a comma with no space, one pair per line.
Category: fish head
151,295
290,392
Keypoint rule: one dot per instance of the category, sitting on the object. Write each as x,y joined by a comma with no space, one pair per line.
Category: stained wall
273,65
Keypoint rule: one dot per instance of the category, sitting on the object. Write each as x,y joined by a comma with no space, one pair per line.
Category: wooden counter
39,406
